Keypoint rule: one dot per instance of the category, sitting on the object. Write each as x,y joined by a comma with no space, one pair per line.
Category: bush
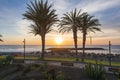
95,72
43,67
51,74
8,59
35,66
59,76
2,62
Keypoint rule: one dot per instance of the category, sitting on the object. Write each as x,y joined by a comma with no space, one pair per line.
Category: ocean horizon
115,49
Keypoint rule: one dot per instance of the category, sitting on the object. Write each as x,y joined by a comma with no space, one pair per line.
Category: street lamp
24,49
110,53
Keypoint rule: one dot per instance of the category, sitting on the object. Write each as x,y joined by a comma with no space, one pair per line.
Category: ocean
33,48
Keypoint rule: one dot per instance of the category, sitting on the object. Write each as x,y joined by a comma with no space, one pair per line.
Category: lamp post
24,49
110,53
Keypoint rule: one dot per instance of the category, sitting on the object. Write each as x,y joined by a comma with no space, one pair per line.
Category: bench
116,72
114,69
67,64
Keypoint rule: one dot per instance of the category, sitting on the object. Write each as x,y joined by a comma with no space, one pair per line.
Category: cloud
105,33
93,6
22,27
11,18
61,6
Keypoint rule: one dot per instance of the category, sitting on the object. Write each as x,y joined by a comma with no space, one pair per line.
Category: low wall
58,63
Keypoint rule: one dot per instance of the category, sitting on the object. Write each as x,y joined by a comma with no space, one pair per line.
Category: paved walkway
59,63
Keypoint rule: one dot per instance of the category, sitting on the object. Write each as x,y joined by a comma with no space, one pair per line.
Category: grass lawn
2,57
86,61
102,62
33,58
68,59
20,57
61,59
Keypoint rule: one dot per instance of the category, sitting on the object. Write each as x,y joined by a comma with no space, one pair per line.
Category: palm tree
87,24
1,39
68,23
43,17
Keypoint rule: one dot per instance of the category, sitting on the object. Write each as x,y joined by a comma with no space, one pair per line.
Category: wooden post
24,49
109,53
109,47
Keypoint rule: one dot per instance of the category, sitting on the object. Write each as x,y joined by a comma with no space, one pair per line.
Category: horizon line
55,45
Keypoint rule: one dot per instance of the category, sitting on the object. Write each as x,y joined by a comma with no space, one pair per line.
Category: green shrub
59,76
95,72
118,76
35,66
77,59
8,59
49,76
2,62
43,67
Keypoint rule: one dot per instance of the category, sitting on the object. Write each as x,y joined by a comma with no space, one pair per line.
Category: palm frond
0,35
88,23
35,30
69,21
1,40
43,16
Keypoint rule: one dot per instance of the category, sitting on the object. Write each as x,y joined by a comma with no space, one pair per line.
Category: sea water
33,48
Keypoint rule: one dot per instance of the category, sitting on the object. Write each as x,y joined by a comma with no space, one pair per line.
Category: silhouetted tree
43,17
1,39
87,24
68,23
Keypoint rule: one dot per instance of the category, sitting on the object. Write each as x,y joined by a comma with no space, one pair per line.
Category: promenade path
59,63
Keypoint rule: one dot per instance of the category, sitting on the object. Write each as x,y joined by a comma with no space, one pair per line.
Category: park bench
116,72
67,64
114,69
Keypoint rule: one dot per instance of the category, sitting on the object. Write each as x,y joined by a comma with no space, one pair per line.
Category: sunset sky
14,29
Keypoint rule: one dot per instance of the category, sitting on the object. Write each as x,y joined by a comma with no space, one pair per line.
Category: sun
58,40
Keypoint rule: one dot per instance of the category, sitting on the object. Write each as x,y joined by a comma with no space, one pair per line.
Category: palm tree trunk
75,43
84,41
43,47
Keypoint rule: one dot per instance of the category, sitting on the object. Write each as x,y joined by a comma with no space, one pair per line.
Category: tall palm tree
68,23
43,17
1,39
87,24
